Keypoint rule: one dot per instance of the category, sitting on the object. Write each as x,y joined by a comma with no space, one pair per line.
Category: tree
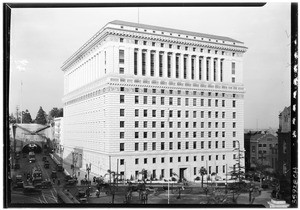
55,112
26,117
12,118
202,172
41,117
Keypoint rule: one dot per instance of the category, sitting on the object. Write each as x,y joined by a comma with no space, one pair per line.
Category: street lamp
88,169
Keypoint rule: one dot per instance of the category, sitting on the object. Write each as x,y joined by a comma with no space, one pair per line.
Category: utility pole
117,171
109,169
88,169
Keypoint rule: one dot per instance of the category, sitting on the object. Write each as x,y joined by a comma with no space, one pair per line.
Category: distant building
58,134
146,97
261,148
284,142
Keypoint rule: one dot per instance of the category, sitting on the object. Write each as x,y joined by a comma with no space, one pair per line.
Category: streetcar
31,157
36,175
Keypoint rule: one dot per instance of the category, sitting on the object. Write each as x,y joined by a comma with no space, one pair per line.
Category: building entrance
182,174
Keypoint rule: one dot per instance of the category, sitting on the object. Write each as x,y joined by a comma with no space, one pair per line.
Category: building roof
131,24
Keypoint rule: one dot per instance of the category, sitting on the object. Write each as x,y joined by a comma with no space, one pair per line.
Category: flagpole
21,103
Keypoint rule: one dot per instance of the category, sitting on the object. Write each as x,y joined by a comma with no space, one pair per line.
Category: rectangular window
207,69
178,101
122,112
233,79
202,102
122,99
171,101
145,160
162,145
153,113
233,103
122,134
233,68
217,144
153,124
170,145
223,124
178,145
162,160
145,113
122,146
136,161
136,99
202,157
209,144
122,124
136,135
162,100
145,99
186,101
223,103
145,146
233,115
209,157
145,134
216,103
179,159
121,70
209,102
187,159
186,114
194,101
162,135
136,112
194,124
153,134
202,144
162,113
121,56
221,70
153,145
194,145
178,134
136,146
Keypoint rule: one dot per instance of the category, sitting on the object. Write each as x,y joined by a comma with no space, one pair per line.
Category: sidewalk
261,199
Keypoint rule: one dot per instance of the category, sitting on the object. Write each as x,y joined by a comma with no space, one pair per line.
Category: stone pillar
196,71
204,68
189,67
139,62
130,65
181,66
165,66
173,65
218,70
156,64
148,64
211,69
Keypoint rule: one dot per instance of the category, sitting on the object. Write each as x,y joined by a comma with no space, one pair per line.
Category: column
181,66
218,70
188,67
156,64
148,64
130,65
165,66
173,65
196,71
204,68
211,69
139,62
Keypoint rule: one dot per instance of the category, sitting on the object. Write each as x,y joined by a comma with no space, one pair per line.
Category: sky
42,39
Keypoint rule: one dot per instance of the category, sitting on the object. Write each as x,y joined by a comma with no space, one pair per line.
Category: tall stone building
146,97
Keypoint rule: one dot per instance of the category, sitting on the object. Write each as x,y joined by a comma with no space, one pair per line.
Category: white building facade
164,100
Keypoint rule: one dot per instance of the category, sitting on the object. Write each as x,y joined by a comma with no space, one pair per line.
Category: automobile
83,200
53,174
46,184
31,190
68,177
60,168
46,165
71,182
20,184
19,178
81,194
38,186
44,158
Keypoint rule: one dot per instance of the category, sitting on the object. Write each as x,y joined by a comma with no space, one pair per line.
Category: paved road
47,195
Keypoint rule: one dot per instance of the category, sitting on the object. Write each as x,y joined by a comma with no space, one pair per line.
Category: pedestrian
78,173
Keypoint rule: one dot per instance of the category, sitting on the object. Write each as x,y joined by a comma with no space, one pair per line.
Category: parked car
46,165
46,184
71,182
44,158
53,174
60,168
